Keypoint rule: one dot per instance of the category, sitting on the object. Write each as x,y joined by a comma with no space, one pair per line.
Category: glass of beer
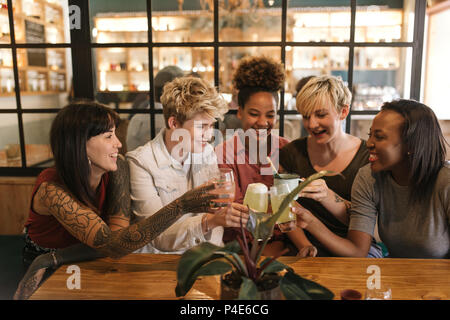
256,197
224,185
287,221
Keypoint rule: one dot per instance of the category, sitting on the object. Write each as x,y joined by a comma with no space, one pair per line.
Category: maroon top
46,231
232,154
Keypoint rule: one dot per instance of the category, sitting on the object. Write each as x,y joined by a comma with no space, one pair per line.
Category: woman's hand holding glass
230,216
304,216
226,212
200,199
316,190
224,185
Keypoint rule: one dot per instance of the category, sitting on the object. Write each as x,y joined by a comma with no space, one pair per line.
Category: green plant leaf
209,269
290,197
274,266
291,289
261,225
193,259
256,225
265,226
248,290
297,287
214,268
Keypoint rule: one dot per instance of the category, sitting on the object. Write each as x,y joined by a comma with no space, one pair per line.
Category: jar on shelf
42,83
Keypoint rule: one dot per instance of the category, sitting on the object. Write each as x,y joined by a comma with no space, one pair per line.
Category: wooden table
148,276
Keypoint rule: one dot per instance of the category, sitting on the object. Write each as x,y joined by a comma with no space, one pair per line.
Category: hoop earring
89,161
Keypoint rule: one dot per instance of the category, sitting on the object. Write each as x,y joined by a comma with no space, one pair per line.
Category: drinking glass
381,293
256,197
287,220
224,185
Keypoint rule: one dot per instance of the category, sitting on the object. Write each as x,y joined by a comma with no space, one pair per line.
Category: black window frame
81,46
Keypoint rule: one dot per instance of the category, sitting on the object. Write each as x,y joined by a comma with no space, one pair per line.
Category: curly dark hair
262,72
256,74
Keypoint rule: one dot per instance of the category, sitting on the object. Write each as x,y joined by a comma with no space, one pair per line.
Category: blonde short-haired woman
324,104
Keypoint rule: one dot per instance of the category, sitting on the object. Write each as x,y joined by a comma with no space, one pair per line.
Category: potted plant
252,276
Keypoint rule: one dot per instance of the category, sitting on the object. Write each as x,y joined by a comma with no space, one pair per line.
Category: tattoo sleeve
89,228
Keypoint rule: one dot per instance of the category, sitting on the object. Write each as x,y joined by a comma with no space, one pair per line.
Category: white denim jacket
157,179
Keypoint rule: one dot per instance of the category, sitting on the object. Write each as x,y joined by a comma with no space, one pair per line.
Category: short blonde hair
320,89
185,97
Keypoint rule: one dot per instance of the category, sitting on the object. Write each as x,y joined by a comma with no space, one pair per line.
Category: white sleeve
145,200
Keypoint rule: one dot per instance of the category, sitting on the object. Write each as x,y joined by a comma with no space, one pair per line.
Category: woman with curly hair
258,81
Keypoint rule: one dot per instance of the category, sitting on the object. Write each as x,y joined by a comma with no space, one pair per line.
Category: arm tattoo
84,224
338,198
346,203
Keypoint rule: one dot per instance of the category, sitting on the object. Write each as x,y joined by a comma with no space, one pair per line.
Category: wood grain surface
148,276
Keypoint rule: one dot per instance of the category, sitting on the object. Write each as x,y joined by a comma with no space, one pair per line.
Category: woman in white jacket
178,159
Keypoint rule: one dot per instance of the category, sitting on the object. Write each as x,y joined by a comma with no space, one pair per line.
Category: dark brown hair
73,126
425,143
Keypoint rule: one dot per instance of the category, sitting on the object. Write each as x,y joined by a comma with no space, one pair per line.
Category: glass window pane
435,84
45,77
390,22
37,139
4,23
293,125
229,59
121,75
9,141
7,84
41,21
360,125
311,21
116,21
183,21
379,75
249,20
198,60
312,61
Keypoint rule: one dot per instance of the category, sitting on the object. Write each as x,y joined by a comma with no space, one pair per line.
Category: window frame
81,46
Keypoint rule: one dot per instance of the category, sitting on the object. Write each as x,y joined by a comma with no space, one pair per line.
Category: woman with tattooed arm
80,209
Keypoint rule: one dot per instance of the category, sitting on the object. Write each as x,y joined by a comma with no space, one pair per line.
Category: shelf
50,68
32,93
